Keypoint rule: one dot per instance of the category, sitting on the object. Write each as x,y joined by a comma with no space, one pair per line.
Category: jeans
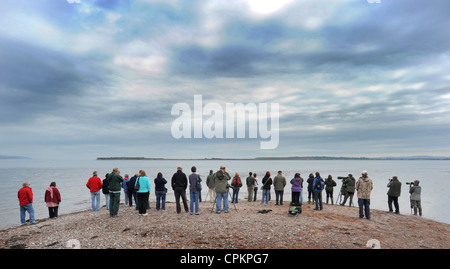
194,195
256,192
219,197
114,200
130,196
126,197
160,200
392,199
364,207
234,198
26,208
107,201
265,194
95,197
318,199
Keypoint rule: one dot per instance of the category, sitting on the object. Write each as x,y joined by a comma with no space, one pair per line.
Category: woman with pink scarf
52,199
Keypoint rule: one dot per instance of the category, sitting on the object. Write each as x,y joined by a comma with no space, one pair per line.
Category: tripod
215,201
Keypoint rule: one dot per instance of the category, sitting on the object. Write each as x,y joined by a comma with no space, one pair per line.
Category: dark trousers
330,195
142,202
53,212
364,208
392,199
318,199
130,195
114,202
296,198
181,192
279,195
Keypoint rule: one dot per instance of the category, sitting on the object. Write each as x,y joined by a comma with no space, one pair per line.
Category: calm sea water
71,177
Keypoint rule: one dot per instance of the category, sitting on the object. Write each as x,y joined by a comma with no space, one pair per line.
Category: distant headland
300,158
4,157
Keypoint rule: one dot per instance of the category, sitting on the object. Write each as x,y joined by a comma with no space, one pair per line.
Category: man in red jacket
25,196
94,184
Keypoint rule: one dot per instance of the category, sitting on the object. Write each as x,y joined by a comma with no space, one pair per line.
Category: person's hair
193,169
25,184
317,174
53,184
116,169
254,174
311,175
94,173
297,175
250,173
237,174
142,173
267,174
159,175
126,175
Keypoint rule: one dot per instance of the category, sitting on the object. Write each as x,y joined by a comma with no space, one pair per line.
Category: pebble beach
243,227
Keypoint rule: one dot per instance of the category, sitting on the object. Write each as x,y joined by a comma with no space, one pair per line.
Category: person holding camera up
415,191
395,187
221,185
348,188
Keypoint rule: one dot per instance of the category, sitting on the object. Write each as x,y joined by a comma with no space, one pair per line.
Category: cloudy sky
82,79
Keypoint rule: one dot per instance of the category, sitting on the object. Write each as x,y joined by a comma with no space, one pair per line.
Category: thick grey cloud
100,78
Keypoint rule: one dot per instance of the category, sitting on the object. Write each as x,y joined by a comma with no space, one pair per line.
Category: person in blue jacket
318,185
143,192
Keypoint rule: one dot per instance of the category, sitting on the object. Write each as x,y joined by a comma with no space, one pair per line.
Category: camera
409,183
342,177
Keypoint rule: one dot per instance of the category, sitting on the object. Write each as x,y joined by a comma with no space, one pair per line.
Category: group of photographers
349,184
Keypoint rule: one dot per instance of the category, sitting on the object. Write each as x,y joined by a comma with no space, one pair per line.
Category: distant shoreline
274,158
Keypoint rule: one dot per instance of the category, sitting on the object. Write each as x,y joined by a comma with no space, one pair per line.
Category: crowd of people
220,184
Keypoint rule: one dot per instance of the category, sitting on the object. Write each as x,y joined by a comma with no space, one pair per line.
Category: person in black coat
131,191
179,185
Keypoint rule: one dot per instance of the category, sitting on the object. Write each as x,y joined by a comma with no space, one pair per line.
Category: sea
71,177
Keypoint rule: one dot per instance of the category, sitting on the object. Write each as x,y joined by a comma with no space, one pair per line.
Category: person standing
255,176
94,184
52,199
236,184
266,182
364,187
25,195
395,187
126,179
296,189
250,186
415,191
221,178
179,185
348,189
329,185
115,180
143,192
131,192
310,182
194,190
160,192
279,182
105,190
210,184
318,186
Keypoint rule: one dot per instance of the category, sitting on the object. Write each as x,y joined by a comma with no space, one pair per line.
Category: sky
83,79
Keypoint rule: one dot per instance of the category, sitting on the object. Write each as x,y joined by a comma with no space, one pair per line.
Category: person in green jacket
329,185
348,189
221,185
395,187
115,180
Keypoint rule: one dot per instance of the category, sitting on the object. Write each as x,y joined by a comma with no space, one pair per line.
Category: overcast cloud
99,78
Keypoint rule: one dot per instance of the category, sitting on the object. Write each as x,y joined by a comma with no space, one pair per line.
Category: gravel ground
335,227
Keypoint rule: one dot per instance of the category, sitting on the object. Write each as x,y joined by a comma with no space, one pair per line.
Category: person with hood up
364,187
221,185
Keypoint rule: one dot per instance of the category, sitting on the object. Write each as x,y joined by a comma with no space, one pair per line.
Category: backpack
237,182
321,184
199,184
